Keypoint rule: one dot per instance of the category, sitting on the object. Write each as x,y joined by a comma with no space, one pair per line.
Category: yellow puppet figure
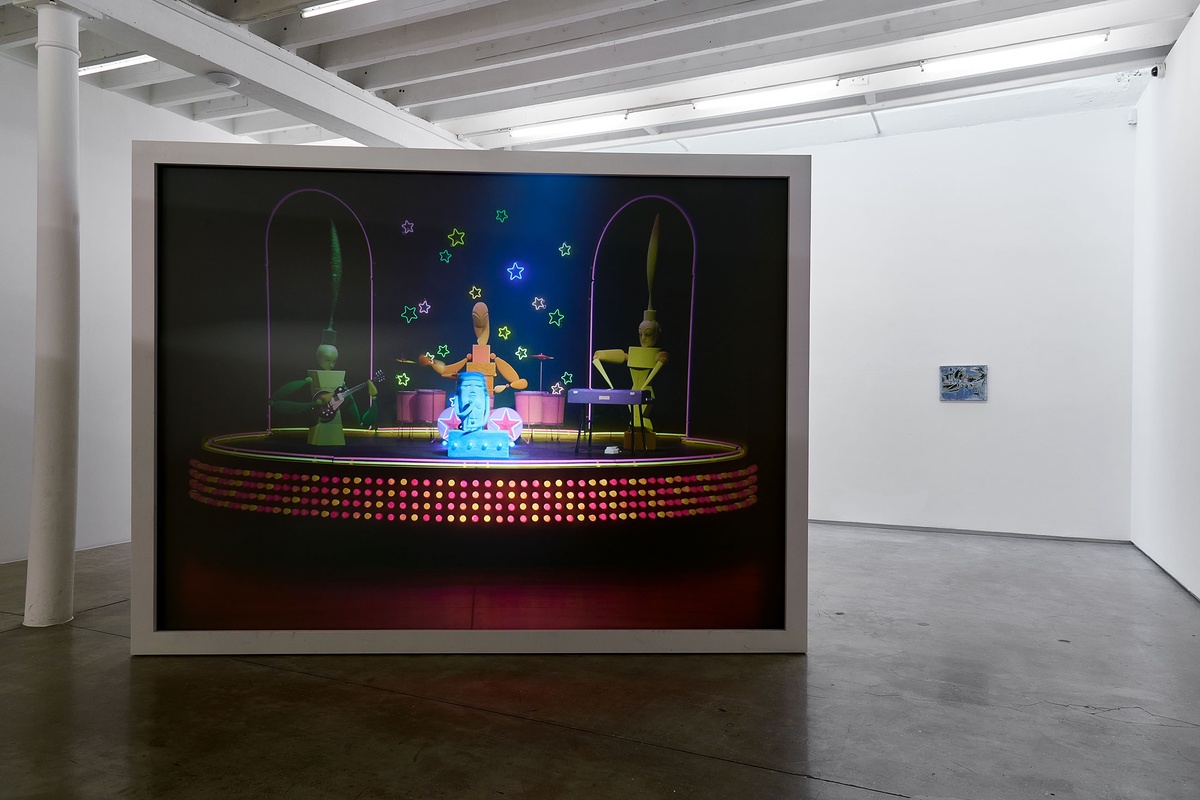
481,358
644,360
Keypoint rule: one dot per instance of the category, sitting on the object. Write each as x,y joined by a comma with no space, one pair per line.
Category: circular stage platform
403,475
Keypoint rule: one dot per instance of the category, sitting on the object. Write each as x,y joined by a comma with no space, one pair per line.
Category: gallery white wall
108,125
1166,377
1008,245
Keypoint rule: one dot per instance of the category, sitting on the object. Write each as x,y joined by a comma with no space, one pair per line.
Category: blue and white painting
964,382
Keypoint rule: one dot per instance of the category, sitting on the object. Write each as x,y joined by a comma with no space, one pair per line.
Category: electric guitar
330,402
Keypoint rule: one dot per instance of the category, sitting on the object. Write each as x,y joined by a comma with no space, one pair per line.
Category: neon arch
370,281
687,411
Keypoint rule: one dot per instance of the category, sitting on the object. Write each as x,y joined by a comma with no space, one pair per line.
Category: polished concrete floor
940,666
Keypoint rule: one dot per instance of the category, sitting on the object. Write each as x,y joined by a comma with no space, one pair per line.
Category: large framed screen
434,401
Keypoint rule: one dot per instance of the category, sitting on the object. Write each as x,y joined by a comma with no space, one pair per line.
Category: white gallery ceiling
666,75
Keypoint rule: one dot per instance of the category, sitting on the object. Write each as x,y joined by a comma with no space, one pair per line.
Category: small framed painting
964,382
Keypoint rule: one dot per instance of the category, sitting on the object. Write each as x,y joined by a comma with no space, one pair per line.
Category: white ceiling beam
224,108
270,122
293,32
851,104
18,27
135,76
1116,51
313,134
243,11
826,55
678,25
513,20
194,40
791,33
181,92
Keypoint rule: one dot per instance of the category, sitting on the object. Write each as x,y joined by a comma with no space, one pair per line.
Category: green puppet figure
328,398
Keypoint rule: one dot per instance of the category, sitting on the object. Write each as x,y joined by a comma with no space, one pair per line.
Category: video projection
416,401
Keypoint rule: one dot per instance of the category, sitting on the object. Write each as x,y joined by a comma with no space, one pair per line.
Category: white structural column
50,586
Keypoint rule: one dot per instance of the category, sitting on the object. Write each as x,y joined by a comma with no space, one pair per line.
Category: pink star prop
508,420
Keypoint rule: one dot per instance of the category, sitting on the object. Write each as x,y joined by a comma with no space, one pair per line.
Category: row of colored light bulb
473,500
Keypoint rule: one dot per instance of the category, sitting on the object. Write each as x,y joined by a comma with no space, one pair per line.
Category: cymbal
542,357
405,361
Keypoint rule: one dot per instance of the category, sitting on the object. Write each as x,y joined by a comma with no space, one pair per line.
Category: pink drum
423,405
540,408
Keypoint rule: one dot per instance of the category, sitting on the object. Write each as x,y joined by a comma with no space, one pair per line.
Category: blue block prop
477,444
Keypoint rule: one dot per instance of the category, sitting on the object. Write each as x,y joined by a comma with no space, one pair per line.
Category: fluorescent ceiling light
335,5
105,66
1022,55
769,98
580,126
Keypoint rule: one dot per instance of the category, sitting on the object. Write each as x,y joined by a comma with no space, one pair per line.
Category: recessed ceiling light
334,5
116,63
223,79
998,59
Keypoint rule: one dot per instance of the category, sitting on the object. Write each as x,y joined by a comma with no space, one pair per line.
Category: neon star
443,350
407,227
567,378
557,388
522,354
504,332
429,355
475,293
457,237
402,379
565,250
501,215
539,303
556,317
515,272
423,307
444,256
409,314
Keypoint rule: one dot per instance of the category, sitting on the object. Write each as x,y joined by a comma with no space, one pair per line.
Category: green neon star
501,215
456,237
402,379
556,317
565,250
504,332
567,378
443,350
444,256
522,354
409,314
475,293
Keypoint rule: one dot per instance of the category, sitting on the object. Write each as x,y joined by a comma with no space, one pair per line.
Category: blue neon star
515,272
